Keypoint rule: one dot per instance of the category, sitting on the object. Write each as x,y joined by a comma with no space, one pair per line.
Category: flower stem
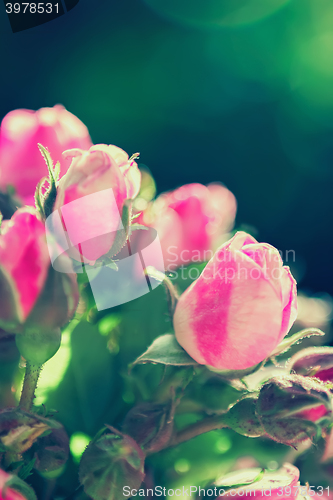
198,428
29,386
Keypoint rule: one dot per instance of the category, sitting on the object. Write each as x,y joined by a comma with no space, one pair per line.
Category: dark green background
206,91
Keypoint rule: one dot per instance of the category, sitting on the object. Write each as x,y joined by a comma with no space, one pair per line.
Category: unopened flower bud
21,164
19,429
281,401
151,425
13,488
314,362
50,453
239,309
32,294
110,462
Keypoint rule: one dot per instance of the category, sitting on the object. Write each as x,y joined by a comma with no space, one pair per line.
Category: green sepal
38,346
19,429
242,418
110,462
45,202
288,342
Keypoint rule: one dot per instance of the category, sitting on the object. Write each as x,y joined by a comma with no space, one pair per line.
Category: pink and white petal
289,297
229,311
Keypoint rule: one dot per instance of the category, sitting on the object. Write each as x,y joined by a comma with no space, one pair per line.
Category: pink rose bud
32,293
190,222
240,308
13,488
21,164
313,362
93,200
281,404
24,265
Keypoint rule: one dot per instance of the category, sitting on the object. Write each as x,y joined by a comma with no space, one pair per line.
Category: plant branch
198,428
29,386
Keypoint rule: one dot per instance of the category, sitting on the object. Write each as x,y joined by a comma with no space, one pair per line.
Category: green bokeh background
238,91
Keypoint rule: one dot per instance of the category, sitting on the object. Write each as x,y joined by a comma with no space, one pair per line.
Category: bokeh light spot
128,397
55,369
77,444
182,466
272,465
223,444
108,323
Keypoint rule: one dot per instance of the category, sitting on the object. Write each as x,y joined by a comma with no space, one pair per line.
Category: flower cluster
81,232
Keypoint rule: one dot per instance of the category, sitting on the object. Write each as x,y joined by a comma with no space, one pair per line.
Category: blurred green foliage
239,92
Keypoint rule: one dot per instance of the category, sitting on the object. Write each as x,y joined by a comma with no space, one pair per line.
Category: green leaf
25,470
294,339
166,351
15,465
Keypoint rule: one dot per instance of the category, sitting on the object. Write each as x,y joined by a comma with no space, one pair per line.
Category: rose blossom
190,221
7,493
240,308
24,260
24,271
21,163
92,196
